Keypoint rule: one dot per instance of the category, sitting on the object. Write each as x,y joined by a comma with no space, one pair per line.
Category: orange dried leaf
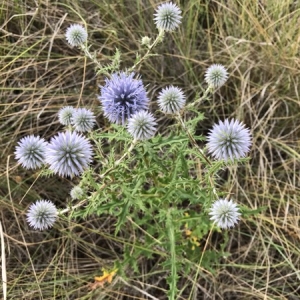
100,281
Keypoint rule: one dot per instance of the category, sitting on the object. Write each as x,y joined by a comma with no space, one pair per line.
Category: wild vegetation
258,42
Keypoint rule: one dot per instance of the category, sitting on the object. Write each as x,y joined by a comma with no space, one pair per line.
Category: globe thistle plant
122,96
31,151
76,35
171,99
69,154
42,214
65,115
229,140
142,125
224,213
76,192
83,120
167,17
216,75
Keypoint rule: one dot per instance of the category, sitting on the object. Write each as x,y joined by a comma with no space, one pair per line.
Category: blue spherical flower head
65,115
83,120
167,16
142,125
42,214
224,213
122,96
76,35
31,151
229,140
216,75
69,153
171,99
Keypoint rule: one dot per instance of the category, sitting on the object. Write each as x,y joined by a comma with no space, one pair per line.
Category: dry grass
39,73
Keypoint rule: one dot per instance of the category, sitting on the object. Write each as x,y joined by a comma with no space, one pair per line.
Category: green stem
150,48
207,91
119,160
170,228
92,57
193,141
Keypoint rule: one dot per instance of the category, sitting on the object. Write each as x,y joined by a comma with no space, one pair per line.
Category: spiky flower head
229,140
122,96
42,214
145,41
171,99
224,213
141,125
216,75
69,153
83,120
65,115
167,16
31,151
76,35
76,192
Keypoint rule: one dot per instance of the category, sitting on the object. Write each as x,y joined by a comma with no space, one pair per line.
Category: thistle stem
92,57
207,91
83,202
150,48
192,140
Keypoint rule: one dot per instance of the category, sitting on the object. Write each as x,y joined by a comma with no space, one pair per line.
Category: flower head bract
76,192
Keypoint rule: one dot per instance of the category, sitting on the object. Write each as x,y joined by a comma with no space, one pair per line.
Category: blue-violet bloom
42,214
141,125
31,151
216,75
167,16
83,120
229,140
65,115
122,96
76,35
171,100
224,213
69,153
